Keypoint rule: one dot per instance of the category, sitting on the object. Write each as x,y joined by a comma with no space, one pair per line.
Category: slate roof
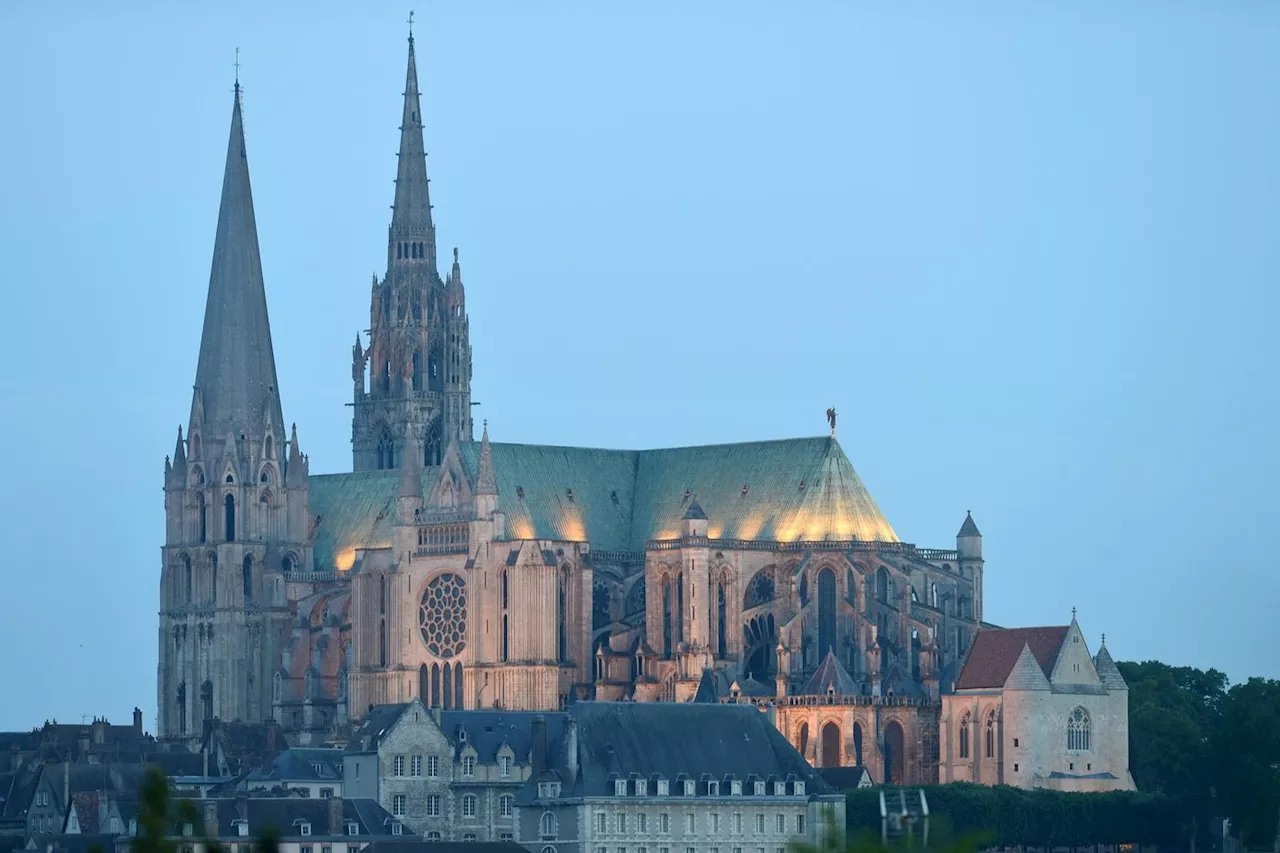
845,778
831,675
486,731
1108,672
298,764
618,500
994,652
667,739
968,528
284,814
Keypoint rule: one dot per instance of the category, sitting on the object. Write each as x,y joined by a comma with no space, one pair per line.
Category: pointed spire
235,387
179,450
411,212
968,528
486,480
455,274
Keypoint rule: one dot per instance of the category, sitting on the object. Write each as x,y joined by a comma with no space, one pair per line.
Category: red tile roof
995,651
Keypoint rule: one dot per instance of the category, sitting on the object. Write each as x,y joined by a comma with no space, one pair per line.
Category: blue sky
1028,251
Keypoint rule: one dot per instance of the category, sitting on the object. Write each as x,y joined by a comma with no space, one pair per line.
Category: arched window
804,740
230,506
182,708
457,687
506,649
203,517
248,578
446,701
206,700
601,612
882,585
469,803
386,444
857,744
965,722
435,685
830,745
722,627
186,577
213,578
933,595
424,685
562,616
894,753
760,590
680,608
270,451
666,617
286,563
989,736
548,826
826,612
1078,730
850,587
417,371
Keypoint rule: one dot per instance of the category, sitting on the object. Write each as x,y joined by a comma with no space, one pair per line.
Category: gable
1074,665
995,651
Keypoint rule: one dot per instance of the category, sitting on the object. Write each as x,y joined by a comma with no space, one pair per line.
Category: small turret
969,539
694,523
296,470
486,494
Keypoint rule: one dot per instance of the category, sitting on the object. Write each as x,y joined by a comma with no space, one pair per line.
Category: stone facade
449,776
1032,709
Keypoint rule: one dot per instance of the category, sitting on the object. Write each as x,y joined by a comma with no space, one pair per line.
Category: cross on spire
1073,614
410,25
237,66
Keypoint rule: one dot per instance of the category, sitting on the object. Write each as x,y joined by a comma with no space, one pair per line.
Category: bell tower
416,370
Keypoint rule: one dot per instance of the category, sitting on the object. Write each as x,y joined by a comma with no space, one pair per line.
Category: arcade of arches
897,743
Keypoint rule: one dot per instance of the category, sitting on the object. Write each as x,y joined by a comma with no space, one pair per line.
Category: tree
1247,746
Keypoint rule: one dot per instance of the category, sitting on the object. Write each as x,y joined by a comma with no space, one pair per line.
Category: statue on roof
831,419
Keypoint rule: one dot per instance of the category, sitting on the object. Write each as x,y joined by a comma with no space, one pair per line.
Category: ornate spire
486,480
236,374
411,212
179,450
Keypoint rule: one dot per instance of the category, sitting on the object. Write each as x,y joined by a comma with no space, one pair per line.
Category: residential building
653,776
448,775
304,771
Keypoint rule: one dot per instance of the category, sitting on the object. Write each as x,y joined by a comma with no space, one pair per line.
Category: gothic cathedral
490,575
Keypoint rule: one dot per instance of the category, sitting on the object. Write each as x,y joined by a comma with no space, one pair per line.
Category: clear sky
1028,250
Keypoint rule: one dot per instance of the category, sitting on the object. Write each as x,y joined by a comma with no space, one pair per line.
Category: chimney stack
571,751
335,815
211,818
137,721
539,744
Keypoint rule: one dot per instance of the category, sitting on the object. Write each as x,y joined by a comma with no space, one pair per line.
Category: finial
1104,638
831,420
410,25
237,66
455,254
1073,614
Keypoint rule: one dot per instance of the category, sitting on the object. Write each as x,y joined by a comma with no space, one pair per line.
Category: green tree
1247,746
942,839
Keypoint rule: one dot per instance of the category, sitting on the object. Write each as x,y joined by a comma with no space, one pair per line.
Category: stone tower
236,495
418,363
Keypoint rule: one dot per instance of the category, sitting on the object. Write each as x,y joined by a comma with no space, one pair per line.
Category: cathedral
481,574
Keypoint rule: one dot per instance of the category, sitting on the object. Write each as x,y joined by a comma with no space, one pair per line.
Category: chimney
137,721
539,744
83,742
335,815
211,818
571,751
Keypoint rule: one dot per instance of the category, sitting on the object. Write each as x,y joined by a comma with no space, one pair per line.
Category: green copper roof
788,490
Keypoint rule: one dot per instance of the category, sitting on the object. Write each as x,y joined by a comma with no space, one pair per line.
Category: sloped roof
995,651
618,500
1108,672
487,731
830,675
968,528
667,739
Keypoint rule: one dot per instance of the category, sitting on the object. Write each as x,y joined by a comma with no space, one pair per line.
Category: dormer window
186,829
798,788
305,828
353,828
620,787
642,788
663,787
396,829
468,765
760,786
779,789
688,788
548,790
242,828
713,789
504,764
736,787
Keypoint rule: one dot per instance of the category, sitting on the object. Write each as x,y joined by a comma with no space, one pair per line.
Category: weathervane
237,65
831,419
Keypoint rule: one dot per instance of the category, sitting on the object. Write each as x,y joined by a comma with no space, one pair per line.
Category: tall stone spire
235,389
411,225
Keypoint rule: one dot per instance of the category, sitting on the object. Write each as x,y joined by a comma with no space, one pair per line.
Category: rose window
443,615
